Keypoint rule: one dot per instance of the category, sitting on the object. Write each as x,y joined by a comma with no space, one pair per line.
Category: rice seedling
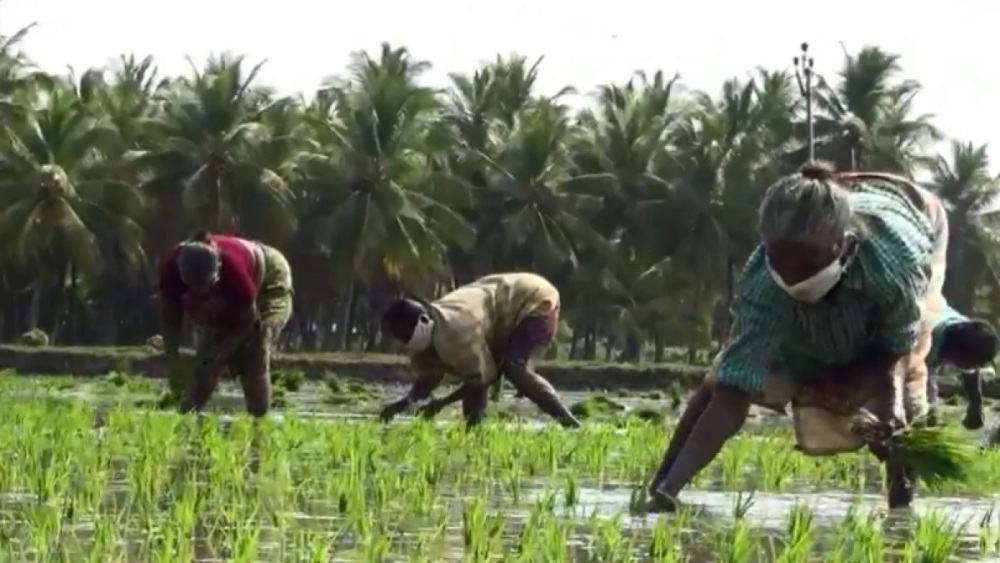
120,483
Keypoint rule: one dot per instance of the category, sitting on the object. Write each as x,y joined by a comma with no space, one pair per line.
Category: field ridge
385,369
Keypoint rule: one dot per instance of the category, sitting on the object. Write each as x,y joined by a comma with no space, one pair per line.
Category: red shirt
233,294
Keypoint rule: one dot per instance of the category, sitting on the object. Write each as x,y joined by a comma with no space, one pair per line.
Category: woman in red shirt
238,293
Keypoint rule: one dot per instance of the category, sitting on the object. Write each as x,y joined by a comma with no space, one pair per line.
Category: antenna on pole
804,76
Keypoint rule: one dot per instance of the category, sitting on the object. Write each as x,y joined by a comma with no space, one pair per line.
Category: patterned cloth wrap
889,298
501,315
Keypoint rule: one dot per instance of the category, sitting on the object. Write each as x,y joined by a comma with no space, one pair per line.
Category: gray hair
807,205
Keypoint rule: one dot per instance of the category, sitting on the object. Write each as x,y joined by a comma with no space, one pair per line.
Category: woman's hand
394,408
431,409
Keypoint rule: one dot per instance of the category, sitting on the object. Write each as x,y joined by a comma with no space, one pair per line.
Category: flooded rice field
90,474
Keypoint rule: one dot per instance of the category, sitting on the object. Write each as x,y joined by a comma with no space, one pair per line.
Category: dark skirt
531,336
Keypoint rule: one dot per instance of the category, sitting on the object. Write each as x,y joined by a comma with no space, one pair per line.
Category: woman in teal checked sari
832,314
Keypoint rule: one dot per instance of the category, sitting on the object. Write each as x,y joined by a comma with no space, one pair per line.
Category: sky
946,48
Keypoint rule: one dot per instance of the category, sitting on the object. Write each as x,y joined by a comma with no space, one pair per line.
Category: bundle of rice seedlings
181,371
936,454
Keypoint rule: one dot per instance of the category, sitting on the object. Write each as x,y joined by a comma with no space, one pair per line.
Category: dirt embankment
371,368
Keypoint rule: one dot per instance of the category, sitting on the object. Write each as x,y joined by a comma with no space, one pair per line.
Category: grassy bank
379,369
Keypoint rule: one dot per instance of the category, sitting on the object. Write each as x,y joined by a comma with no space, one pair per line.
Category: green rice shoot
936,454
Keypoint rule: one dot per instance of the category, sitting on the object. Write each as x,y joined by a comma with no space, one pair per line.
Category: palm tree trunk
632,349
35,307
371,335
58,312
344,325
73,310
660,348
590,341
960,288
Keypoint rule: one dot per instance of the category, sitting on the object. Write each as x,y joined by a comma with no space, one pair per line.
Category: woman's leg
496,389
692,412
972,385
252,364
274,305
474,403
723,417
257,392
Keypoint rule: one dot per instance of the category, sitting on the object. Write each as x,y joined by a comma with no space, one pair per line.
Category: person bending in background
970,346
238,293
493,327
831,315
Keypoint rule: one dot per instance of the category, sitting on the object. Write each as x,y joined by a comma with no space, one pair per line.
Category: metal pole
804,76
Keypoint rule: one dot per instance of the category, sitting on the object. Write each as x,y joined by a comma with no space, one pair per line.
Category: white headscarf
423,333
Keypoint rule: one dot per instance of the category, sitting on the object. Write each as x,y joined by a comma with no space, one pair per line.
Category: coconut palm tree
866,119
60,210
209,131
377,208
640,207
969,190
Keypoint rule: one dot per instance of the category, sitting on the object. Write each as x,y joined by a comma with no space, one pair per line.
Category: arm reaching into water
428,373
241,290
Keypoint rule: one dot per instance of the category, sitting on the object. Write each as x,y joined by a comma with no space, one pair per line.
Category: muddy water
314,401
770,510
768,514
714,510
